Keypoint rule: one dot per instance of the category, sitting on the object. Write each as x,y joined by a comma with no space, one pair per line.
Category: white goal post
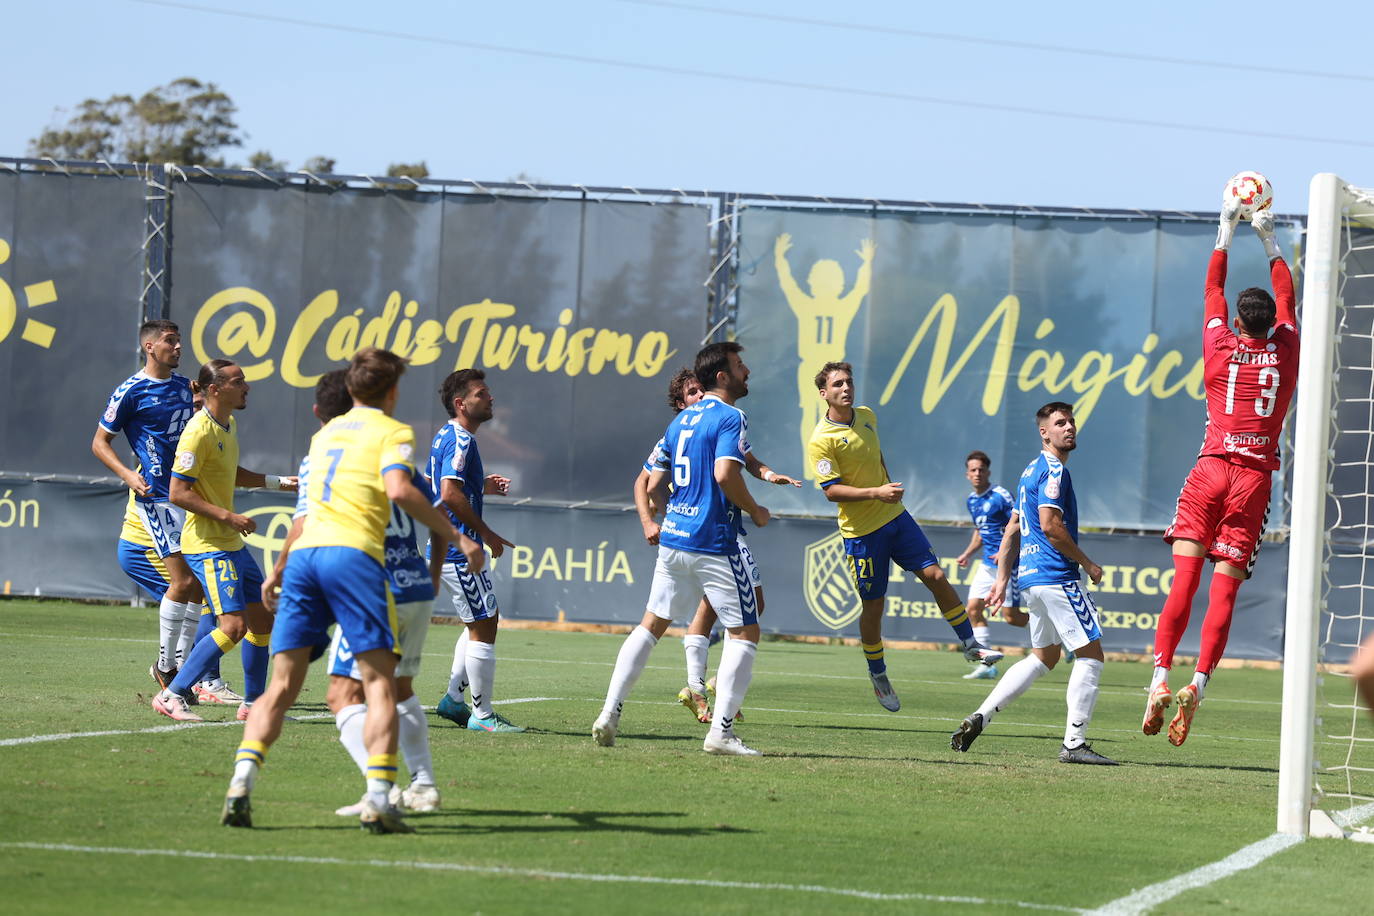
1329,605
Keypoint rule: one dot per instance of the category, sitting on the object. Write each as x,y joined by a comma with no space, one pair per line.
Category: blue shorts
343,585
145,567
900,541
231,579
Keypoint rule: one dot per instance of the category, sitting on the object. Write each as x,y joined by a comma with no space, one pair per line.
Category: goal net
1326,761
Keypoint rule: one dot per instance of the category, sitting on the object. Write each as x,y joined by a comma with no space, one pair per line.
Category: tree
408,170
319,165
187,122
264,160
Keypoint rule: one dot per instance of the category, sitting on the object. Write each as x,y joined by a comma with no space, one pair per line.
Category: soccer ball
1252,190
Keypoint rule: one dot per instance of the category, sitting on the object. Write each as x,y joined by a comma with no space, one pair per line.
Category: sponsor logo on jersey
829,590
1235,442
683,509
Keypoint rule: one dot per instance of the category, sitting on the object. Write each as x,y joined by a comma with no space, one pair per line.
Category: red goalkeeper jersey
1250,381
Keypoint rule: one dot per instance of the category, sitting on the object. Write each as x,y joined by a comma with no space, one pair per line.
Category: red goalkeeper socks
1178,607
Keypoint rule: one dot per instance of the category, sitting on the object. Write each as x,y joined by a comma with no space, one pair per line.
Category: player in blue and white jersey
456,474
151,408
698,550
991,509
1049,575
412,582
683,391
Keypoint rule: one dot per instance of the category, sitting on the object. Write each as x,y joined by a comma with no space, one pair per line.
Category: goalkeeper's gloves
1263,223
1226,226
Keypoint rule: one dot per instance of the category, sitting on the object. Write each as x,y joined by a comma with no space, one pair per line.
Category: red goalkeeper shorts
1224,507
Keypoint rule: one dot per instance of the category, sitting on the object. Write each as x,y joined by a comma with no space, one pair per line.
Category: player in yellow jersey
847,459
204,474
360,463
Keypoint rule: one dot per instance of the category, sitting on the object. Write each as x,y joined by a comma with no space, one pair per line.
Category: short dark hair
714,358
456,386
156,328
372,373
1255,308
1053,407
678,386
823,376
976,455
331,395
212,373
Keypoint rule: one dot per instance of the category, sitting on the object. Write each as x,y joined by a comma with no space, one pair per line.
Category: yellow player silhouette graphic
823,319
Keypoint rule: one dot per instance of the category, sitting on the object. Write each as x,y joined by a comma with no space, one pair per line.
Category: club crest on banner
828,587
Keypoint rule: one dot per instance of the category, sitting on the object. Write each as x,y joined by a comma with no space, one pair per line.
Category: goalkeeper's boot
605,727
382,820
164,678
1188,701
238,810
1084,754
882,689
711,689
975,651
420,797
969,729
1158,701
456,711
493,723
173,706
216,692
982,673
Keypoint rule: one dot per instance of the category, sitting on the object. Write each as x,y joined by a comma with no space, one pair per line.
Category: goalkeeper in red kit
1250,374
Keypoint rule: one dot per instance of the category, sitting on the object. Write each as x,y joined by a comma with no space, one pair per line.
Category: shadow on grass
561,822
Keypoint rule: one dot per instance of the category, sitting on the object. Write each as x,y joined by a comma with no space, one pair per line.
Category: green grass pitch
849,801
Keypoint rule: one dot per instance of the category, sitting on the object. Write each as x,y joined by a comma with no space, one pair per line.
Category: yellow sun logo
35,294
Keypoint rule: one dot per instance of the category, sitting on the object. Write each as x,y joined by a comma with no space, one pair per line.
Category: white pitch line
153,730
1147,898
508,871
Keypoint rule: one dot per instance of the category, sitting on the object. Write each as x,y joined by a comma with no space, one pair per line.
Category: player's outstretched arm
763,472
973,544
790,290
1214,298
253,480
102,446
737,491
1279,275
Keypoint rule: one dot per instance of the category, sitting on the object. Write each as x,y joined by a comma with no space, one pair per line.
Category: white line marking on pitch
537,873
1147,898
154,730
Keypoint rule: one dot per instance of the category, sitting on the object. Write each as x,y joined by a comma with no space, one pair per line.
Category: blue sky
863,100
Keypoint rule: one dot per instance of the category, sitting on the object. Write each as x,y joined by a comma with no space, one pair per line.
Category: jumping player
151,408
991,508
1061,610
847,459
698,549
1250,377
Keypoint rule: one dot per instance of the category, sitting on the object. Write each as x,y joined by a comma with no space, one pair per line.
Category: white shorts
412,619
982,583
750,567
682,577
473,597
1062,613
163,522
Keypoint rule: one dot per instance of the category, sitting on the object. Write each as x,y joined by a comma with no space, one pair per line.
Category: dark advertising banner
70,271
592,566
960,326
578,311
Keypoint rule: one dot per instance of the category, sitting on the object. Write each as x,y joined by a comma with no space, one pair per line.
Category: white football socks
1015,682
170,617
458,674
190,623
732,682
696,649
414,741
481,665
1160,676
982,634
1200,682
349,722
1082,697
629,663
